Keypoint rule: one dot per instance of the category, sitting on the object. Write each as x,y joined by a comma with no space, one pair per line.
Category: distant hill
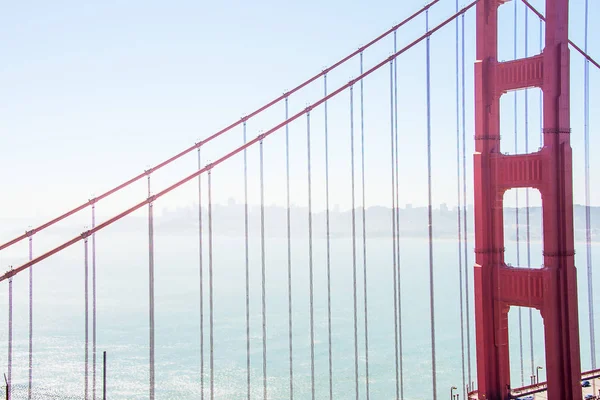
229,220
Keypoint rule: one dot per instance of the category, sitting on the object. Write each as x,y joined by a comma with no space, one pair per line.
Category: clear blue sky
94,92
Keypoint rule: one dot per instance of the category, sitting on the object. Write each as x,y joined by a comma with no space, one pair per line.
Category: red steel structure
553,288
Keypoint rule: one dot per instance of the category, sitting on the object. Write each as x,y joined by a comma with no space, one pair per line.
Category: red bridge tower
553,288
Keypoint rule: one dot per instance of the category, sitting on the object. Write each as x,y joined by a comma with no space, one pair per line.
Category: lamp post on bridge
452,389
537,374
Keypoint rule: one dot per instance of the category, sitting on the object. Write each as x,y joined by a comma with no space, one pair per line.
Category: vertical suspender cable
247,266
394,225
263,281
10,336
93,303
541,94
429,212
464,170
527,212
151,286
460,263
586,130
364,229
328,243
310,262
104,375
353,204
29,389
517,203
201,270
289,248
397,216
210,288
85,382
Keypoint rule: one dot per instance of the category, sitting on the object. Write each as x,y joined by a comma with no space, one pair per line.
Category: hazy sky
95,92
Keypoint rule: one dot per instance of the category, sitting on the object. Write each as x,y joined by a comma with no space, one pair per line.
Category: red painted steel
552,289
520,74
583,53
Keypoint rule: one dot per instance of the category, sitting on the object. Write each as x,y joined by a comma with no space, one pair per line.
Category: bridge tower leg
553,288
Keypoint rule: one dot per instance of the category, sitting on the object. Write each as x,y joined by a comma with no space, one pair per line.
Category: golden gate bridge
488,291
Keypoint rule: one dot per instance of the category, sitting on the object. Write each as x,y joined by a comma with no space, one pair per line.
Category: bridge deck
538,391
593,389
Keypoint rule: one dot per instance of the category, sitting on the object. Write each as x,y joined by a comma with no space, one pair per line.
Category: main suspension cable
459,214
364,230
201,273
327,228
234,152
541,17
429,211
224,130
